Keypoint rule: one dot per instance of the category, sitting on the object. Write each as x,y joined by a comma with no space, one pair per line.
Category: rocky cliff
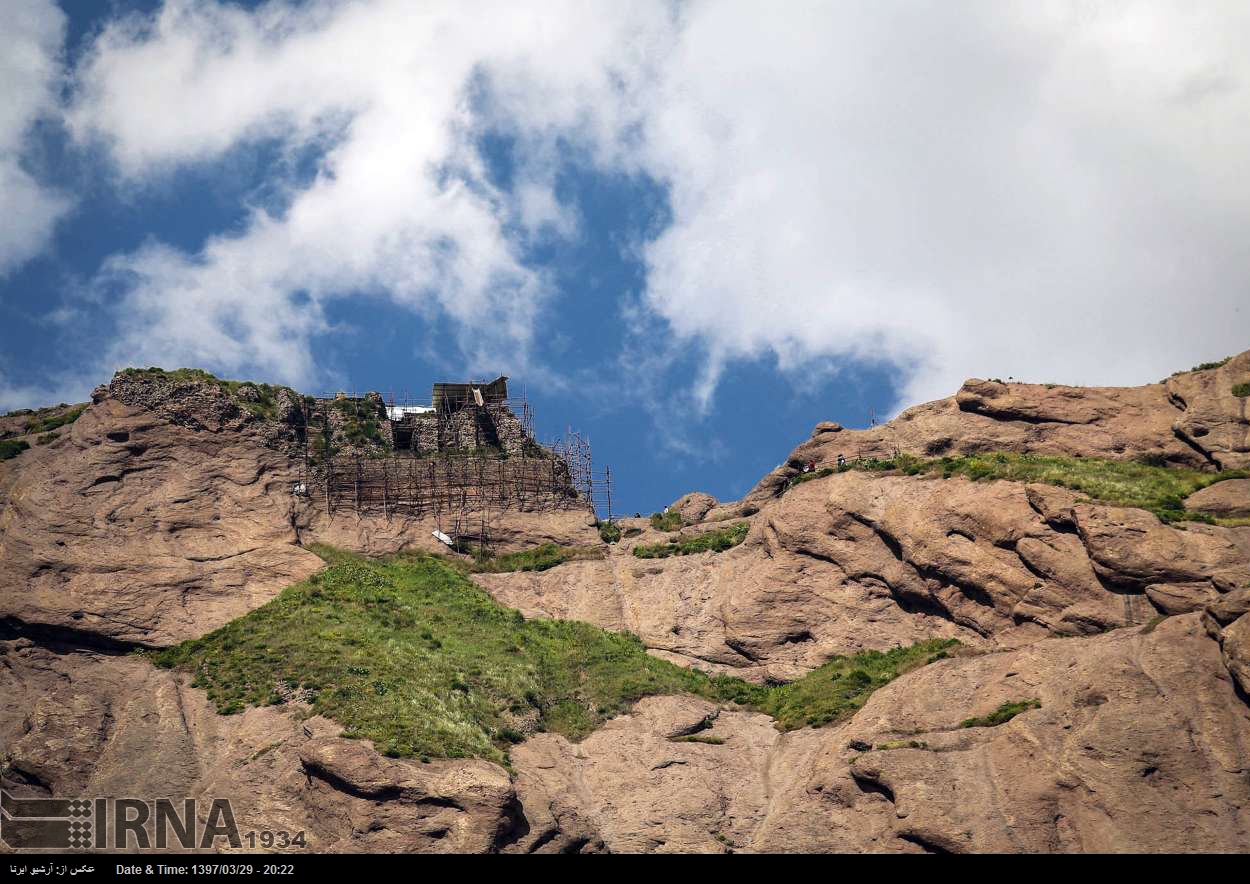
165,511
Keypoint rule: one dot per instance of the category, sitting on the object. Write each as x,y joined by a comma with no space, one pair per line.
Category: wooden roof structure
453,397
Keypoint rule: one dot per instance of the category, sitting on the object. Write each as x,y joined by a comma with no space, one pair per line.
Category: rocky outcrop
693,507
1213,421
165,511
1229,499
132,529
168,509
198,401
1191,419
857,561
1140,744
78,722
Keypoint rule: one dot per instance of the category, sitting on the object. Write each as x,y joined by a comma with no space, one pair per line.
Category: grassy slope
1161,490
409,653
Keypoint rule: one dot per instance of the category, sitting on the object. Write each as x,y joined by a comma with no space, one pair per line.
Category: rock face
1230,499
694,507
167,510
132,529
1191,419
855,561
1140,744
78,722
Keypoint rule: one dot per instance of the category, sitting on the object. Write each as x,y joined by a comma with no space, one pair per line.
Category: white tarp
397,412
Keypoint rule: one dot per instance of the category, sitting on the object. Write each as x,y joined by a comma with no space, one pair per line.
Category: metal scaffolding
463,491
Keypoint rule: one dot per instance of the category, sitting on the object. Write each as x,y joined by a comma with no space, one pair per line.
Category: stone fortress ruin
464,457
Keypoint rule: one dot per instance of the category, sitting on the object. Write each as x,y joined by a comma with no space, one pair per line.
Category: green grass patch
698,738
1204,366
807,477
710,541
1002,714
670,521
840,687
11,448
901,744
1150,486
360,425
1242,390
45,421
409,653
539,558
609,532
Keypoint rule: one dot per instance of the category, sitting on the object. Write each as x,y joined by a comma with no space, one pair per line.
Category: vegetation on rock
807,477
1160,489
1204,366
1241,390
670,521
1002,714
538,558
259,399
900,744
712,541
609,532
409,653
45,420
360,425
698,738
10,448
842,685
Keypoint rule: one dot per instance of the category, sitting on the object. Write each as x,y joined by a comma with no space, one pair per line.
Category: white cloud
30,45
401,205
1049,191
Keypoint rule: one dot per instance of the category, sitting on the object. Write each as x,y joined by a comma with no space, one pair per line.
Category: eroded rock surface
1191,419
82,723
1140,744
858,561
152,520
132,529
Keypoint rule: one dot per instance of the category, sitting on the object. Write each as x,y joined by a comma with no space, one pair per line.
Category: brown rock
1133,548
1229,607
694,506
1229,499
1212,420
630,787
857,560
163,513
1181,598
1140,744
85,724
1191,419
137,530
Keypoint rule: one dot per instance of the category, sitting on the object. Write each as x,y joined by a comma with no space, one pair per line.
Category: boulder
1228,499
693,507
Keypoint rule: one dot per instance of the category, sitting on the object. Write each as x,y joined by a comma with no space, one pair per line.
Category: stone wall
470,429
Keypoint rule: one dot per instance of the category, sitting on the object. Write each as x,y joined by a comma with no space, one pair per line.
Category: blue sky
689,230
